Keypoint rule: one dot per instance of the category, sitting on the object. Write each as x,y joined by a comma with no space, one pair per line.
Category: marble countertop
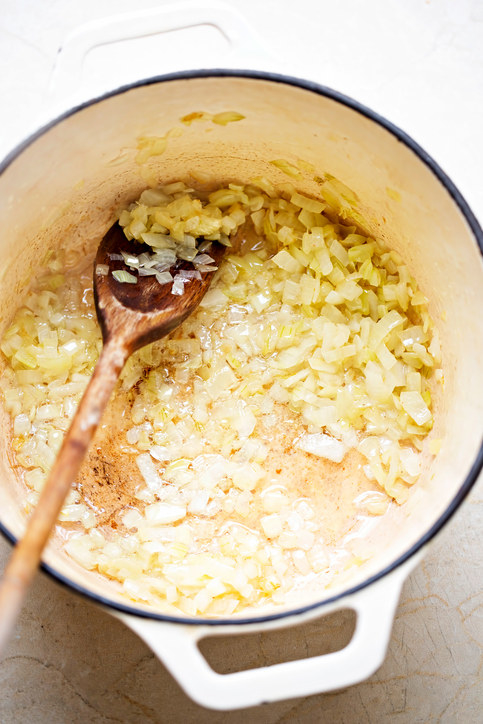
419,63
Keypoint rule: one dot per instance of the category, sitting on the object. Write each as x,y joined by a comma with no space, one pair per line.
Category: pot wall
65,187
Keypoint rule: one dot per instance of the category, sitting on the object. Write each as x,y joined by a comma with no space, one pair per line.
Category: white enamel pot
61,187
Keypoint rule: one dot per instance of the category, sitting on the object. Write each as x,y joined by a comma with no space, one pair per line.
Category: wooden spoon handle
26,555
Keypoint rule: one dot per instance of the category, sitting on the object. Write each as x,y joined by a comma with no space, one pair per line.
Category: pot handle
176,646
246,45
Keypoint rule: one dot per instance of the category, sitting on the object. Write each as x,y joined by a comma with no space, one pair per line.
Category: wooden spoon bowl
144,312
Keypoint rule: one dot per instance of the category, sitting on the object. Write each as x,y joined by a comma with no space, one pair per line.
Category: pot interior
65,187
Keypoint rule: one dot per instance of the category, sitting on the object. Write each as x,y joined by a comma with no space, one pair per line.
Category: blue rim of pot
472,222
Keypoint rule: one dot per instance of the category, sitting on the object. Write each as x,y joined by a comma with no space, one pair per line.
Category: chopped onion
204,259
188,274
206,267
413,403
322,445
164,513
272,525
130,259
164,277
312,327
178,285
123,276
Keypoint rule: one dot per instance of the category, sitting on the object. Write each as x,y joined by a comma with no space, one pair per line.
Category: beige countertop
71,663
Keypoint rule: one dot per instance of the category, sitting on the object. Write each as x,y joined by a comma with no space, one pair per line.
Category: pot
65,182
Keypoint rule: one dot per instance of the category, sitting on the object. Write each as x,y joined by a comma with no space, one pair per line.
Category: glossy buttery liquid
325,498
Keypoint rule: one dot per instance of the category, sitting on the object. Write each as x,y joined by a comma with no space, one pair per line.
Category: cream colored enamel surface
78,172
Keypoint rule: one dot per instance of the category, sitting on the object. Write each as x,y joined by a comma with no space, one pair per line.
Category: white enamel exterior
176,646
65,187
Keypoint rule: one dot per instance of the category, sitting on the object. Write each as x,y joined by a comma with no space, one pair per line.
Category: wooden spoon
130,316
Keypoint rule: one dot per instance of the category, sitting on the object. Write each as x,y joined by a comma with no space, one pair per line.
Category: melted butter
109,480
